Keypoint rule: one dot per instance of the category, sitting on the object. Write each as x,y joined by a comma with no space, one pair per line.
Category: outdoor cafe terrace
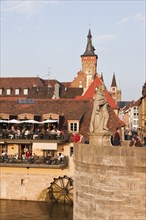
31,129
34,161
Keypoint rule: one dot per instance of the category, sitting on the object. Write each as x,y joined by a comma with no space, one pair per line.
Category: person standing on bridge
117,139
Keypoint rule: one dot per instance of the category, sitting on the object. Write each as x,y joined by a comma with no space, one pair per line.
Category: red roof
91,92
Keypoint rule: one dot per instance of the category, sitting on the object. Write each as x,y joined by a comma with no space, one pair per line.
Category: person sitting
61,157
26,134
48,159
135,142
17,133
27,154
36,133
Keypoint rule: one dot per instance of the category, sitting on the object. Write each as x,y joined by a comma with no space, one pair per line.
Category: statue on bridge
100,115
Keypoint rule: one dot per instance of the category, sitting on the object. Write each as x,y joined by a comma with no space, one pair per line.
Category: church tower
89,61
89,66
115,92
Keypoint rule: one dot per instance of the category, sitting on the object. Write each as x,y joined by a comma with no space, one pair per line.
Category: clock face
88,71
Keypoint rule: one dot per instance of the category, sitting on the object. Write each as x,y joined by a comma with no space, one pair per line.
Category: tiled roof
52,82
37,88
66,84
70,93
41,93
136,103
122,104
20,82
48,92
128,104
89,94
70,109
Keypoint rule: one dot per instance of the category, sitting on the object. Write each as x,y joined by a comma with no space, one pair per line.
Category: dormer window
25,91
8,91
73,126
17,91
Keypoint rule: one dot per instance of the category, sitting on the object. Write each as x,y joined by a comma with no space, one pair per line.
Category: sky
47,38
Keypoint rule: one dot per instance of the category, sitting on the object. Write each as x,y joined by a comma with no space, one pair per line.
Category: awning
13,121
3,121
48,121
45,146
31,121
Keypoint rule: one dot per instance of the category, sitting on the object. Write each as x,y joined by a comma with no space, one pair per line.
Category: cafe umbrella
31,121
13,121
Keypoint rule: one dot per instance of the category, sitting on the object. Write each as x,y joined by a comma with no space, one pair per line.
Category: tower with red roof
89,66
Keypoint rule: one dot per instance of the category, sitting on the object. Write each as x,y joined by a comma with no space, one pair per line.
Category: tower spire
114,84
115,92
89,48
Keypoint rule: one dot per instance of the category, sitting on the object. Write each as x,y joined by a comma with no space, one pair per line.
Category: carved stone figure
100,114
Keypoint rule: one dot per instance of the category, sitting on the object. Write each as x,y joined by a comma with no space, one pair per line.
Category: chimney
56,91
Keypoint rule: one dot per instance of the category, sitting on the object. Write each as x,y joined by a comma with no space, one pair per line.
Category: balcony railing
34,161
32,136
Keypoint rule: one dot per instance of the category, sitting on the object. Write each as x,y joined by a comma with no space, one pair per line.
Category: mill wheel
61,190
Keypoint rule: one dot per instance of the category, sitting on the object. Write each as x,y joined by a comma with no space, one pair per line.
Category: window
135,109
71,151
17,91
73,126
135,122
135,116
8,91
25,91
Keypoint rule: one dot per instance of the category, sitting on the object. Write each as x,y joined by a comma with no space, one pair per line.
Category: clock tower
89,61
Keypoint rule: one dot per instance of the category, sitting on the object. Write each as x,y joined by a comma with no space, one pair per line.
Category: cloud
123,20
139,17
25,7
105,37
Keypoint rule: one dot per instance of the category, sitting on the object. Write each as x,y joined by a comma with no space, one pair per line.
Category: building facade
70,103
142,115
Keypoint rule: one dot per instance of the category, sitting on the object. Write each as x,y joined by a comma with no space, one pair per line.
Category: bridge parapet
110,182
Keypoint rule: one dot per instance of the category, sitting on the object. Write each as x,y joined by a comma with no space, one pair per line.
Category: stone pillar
109,182
102,138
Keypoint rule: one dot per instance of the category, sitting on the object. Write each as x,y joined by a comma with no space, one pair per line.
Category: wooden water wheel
61,190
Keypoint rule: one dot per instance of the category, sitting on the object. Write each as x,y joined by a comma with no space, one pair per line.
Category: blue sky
46,39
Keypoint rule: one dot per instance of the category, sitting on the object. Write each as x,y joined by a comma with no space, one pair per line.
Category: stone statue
100,114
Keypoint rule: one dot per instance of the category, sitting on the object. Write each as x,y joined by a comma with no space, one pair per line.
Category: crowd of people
31,132
133,137
28,157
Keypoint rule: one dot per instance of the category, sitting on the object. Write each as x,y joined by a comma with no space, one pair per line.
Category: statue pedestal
100,138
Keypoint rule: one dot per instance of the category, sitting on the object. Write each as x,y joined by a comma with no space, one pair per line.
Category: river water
26,210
